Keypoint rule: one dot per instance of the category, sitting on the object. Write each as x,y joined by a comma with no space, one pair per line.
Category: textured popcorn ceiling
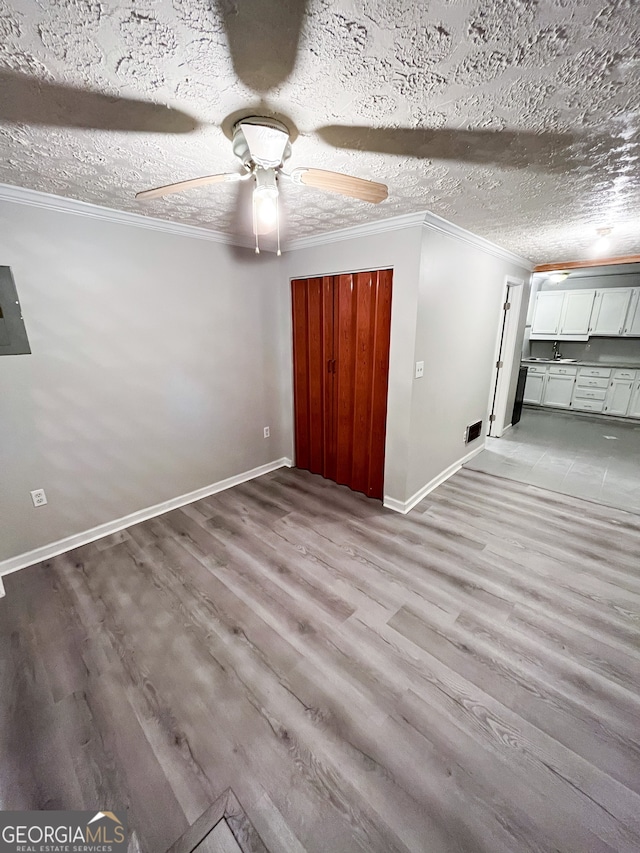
544,66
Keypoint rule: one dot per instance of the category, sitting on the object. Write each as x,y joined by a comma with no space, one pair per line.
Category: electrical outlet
38,497
419,369
266,432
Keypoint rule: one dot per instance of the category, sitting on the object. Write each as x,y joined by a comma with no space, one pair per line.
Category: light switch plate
419,369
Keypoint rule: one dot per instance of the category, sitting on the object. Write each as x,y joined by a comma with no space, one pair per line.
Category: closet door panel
362,325
345,357
380,382
312,314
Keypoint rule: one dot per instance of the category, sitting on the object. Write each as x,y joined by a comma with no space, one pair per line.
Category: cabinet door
632,324
618,397
610,311
634,406
533,388
558,391
546,315
576,313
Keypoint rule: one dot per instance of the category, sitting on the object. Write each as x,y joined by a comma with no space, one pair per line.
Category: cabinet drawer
590,393
561,370
624,374
595,371
536,368
592,382
588,405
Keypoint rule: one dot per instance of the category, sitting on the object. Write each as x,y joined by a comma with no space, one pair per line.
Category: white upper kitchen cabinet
632,324
547,313
562,314
610,311
576,313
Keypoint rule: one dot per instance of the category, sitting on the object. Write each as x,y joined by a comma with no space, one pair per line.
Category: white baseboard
46,552
508,426
405,506
1,588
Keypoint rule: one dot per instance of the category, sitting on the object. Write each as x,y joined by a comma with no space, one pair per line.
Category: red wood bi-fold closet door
312,302
341,331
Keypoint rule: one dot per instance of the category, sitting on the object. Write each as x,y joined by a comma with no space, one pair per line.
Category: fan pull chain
255,223
278,226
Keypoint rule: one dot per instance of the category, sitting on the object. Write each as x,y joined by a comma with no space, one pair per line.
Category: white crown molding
437,223
424,218
46,552
365,230
405,506
48,201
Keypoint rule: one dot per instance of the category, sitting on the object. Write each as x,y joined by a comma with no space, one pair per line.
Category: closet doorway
341,334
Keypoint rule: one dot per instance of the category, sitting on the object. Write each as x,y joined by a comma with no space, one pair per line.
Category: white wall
398,249
446,308
157,360
459,311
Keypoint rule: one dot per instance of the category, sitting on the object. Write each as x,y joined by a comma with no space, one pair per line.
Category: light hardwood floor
463,678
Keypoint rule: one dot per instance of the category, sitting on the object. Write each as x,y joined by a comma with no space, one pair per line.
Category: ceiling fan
263,146
263,37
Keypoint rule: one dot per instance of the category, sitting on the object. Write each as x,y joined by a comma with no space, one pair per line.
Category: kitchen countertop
613,364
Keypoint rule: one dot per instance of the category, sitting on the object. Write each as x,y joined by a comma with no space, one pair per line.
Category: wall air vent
473,431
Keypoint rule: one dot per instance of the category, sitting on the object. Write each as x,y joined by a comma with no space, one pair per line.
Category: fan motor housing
261,141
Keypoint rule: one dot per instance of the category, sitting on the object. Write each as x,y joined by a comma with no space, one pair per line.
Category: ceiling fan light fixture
266,213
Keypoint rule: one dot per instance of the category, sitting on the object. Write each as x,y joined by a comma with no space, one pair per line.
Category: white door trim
505,351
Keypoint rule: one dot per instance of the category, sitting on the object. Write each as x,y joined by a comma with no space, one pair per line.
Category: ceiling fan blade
263,38
509,148
336,182
180,186
29,100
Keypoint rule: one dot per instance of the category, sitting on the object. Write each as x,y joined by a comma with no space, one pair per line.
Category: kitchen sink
556,360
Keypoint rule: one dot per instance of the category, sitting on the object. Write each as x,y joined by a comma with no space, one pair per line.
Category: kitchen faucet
556,352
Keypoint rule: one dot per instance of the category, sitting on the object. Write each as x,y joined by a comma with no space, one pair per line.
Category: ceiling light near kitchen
603,243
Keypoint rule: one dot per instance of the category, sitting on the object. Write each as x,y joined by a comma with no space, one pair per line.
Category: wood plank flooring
463,678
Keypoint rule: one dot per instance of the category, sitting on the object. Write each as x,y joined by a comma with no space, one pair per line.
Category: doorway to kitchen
499,414
580,428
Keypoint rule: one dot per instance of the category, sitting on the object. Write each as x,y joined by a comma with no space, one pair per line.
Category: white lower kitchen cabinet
533,389
634,405
534,385
583,388
618,397
558,390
